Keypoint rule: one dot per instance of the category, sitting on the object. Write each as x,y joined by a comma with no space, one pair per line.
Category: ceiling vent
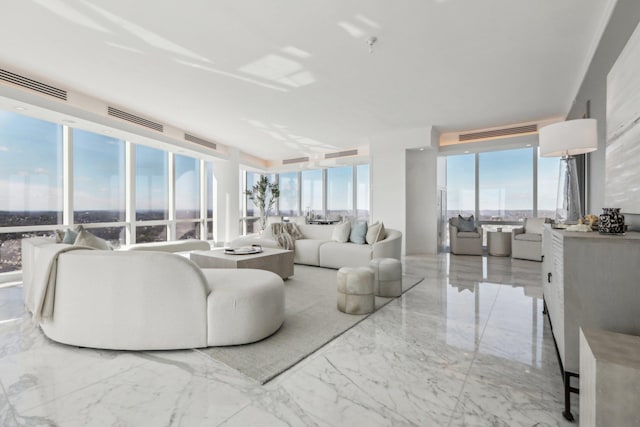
27,83
496,133
341,154
200,141
296,160
135,119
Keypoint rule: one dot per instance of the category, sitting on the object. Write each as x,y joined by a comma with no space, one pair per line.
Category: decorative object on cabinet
566,140
579,293
611,221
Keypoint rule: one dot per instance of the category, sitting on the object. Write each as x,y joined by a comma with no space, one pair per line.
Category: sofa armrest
389,247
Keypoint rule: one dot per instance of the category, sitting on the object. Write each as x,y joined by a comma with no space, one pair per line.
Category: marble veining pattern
468,346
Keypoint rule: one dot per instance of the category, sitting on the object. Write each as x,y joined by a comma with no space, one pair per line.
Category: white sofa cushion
307,251
529,237
534,225
341,232
336,255
375,233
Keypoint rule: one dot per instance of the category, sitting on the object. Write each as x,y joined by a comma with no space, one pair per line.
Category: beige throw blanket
44,281
286,234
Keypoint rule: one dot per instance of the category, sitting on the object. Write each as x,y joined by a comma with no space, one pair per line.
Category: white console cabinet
589,280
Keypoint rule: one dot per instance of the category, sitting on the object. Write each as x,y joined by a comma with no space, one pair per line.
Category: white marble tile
467,346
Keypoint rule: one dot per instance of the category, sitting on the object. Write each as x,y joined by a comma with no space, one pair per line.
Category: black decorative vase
611,221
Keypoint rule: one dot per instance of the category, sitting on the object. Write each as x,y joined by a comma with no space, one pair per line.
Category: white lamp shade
568,138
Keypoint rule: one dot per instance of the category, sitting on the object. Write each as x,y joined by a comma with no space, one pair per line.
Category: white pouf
355,290
387,277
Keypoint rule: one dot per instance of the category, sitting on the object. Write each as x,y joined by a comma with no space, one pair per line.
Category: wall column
226,221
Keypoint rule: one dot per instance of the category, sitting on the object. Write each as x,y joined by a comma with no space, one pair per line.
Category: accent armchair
464,240
526,241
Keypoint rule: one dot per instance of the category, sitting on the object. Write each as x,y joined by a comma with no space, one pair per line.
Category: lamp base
569,208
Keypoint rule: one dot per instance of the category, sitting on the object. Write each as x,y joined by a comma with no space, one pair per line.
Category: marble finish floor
466,347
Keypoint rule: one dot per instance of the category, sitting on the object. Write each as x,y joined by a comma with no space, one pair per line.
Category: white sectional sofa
150,300
317,247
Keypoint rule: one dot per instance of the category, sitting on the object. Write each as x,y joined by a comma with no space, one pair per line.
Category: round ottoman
387,277
355,290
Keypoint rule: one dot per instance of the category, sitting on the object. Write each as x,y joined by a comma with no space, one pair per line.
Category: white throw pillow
375,232
341,232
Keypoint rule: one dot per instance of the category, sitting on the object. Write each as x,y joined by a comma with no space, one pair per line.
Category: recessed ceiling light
20,108
528,145
421,148
466,152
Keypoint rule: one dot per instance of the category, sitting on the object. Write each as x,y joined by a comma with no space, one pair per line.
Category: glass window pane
98,178
362,191
548,172
461,185
30,171
115,235
312,191
506,185
187,187
252,179
151,233
340,192
151,184
11,249
188,230
288,201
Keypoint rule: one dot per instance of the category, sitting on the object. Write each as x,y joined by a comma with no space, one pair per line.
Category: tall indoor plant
264,195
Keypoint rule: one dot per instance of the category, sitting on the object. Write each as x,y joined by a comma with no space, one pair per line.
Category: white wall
388,171
226,191
623,21
421,206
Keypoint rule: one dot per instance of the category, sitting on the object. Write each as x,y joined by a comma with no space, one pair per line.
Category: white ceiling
287,78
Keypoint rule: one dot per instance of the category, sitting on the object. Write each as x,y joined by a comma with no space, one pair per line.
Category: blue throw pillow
466,224
358,233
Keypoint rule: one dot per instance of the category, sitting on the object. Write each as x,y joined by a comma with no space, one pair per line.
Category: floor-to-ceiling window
187,197
362,192
461,185
548,172
506,185
31,173
312,192
288,201
339,192
99,184
152,196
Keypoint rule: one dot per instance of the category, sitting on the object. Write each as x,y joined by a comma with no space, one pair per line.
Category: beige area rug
311,321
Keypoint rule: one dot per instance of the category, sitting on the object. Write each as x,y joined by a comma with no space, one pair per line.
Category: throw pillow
466,224
341,232
376,232
71,235
285,241
358,232
59,235
293,229
87,239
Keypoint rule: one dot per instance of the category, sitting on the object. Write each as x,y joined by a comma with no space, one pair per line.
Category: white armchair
462,241
526,241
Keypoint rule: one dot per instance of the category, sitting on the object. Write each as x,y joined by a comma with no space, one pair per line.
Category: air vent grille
35,85
296,160
498,133
341,154
135,119
200,141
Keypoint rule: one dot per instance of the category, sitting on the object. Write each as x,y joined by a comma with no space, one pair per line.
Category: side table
499,243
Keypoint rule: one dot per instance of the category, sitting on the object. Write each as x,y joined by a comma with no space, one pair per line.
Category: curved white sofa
317,247
144,300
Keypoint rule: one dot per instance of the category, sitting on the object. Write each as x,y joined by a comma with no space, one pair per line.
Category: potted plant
264,195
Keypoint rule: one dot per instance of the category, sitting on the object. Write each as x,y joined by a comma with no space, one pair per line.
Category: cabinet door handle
549,277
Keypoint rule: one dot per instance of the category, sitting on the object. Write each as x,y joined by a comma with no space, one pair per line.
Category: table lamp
568,139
